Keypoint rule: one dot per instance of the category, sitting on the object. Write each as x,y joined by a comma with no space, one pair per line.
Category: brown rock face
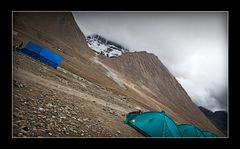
131,81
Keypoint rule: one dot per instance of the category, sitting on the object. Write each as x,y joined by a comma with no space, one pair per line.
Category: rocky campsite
89,94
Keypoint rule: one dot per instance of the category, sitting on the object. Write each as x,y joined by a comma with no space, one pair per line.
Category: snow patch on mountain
101,46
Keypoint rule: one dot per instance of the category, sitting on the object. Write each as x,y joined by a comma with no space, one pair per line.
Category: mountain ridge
218,118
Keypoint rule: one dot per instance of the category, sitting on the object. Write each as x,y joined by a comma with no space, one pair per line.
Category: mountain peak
102,46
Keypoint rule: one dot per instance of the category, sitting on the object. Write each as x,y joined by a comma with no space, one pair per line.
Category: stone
138,108
15,126
20,134
79,120
118,132
18,122
63,117
41,116
49,105
25,128
34,128
40,109
88,126
20,85
24,132
111,111
85,119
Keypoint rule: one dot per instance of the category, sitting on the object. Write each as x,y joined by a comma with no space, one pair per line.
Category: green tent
158,124
153,124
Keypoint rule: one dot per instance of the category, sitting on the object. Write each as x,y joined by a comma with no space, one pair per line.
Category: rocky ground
56,103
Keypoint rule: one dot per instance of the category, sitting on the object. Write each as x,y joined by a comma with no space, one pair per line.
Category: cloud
192,45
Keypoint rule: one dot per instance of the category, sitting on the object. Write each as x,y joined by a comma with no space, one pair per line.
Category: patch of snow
101,46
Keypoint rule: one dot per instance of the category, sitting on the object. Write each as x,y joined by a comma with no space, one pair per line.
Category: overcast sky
192,45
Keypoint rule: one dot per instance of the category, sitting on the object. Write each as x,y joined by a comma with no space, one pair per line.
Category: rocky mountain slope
218,118
150,78
88,93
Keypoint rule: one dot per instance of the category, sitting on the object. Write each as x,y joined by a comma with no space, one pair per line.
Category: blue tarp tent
158,124
44,55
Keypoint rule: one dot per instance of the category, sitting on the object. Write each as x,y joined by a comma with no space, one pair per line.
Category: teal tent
153,124
188,130
208,134
158,124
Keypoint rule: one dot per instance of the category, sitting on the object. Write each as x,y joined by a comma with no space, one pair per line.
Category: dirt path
70,91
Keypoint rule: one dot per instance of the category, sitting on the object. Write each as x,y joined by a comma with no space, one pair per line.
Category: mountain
89,95
218,118
101,45
145,74
205,111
